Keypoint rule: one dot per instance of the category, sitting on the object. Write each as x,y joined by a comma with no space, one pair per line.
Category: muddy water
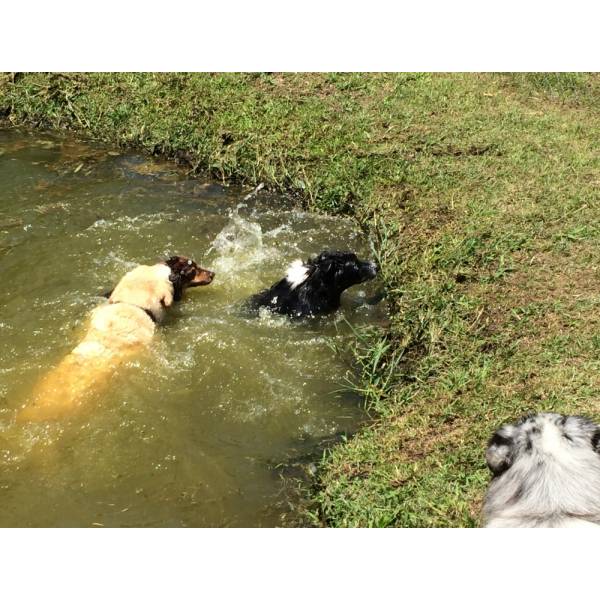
193,431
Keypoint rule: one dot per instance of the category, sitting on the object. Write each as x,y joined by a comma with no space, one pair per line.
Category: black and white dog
314,287
546,471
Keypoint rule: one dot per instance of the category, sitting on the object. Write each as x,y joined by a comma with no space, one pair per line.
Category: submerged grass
480,194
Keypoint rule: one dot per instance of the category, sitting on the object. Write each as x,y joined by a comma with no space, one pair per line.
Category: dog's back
115,333
114,329
546,473
283,299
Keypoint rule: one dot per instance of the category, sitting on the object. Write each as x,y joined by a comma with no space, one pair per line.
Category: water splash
240,248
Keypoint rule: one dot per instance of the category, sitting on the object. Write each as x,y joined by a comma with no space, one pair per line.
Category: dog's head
186,273
545,435
340,270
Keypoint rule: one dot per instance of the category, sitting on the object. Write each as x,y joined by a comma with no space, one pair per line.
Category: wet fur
546,471
314,287
117,331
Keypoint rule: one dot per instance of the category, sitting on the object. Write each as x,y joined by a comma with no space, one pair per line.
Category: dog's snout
203,277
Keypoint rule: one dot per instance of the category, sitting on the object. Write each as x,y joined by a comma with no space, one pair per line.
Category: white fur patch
163,270
552,442
297,273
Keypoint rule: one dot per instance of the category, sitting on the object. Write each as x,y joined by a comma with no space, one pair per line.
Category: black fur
328,275
596,440
503,454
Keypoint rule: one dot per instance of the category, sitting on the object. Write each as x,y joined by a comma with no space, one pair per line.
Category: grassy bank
481,194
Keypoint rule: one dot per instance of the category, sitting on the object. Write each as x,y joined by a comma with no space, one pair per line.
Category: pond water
194,432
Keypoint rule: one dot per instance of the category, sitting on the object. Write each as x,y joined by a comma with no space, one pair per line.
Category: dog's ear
173,261
177,280
177,264
500,452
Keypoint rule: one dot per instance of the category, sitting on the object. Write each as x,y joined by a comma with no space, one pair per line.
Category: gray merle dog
546,471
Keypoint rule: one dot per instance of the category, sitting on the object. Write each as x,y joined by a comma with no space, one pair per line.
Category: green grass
480,195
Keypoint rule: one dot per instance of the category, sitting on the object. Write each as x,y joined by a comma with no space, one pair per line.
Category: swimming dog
117,331
314,287
546,473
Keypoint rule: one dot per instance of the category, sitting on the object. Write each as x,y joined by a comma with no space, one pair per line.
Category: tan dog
117,331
